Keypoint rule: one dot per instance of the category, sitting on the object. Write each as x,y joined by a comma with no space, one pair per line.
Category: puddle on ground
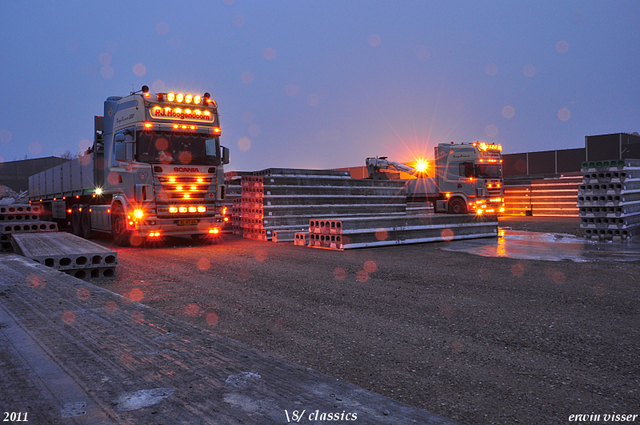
548,246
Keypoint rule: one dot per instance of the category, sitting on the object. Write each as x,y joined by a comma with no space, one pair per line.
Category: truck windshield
176,148
489,171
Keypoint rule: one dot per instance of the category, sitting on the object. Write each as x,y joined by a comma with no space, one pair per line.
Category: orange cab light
226,219
197,99
183,209
148,125
447,195
131,223
173,210
172,179
214,231
186,195
77,196
481,160
489,185
200,180
202,209
109,211
80,209
178,187
69,211
224,211
192,209
171,97
193,187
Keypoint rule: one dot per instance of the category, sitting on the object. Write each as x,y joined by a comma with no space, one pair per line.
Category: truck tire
119,227
76,216
85,224
457,206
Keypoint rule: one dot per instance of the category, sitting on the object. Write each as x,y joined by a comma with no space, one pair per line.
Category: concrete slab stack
21,218
283,200
609,199
233,195
68,253
363,232
555,197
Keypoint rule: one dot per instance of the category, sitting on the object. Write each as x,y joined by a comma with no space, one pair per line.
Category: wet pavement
548,246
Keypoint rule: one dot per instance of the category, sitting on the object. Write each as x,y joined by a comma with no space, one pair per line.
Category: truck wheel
85,224
457,206
75,222
119,227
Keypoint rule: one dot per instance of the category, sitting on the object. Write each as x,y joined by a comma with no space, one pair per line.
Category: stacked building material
68,253
283,200
609,199
361,232
233,194
555,197
517,199
21,218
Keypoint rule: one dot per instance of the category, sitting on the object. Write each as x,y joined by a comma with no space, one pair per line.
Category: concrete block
63,251
28,227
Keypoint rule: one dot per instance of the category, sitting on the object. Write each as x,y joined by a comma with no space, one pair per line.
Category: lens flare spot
564,114
491,69
600,290
83,294
254,130
562,46
517,270
111,307
508,112
447,235
238,21
456,347
105,59
529,70
212,319
370,266
292,90
313,99
261,255
362,276
269,54
137,316
136,295
422,53
558,277
484,274
192,310
491,130
126,359
162,28
162,144
247,77
139,70
185,157
243,275
381,234
248,116
5,136
204,264
375,40
106,71
35,148
35,281
446,311
68,317
244,144
339,273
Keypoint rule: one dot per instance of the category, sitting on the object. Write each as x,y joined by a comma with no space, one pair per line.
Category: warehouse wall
15,174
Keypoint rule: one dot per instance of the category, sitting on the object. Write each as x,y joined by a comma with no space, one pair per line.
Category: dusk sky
325,84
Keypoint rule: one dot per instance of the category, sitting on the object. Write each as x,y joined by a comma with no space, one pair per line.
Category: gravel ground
474,339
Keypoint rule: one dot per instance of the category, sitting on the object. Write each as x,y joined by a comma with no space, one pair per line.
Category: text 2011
15,417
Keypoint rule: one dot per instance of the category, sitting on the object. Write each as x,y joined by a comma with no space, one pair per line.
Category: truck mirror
119,138
225,155
124,151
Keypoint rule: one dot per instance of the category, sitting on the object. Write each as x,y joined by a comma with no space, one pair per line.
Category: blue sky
325,84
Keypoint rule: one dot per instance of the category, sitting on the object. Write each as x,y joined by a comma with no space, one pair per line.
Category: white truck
462,178
155,169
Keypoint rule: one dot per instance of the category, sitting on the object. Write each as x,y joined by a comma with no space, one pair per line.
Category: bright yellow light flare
171,97
194,187
183,209
179,97
178,187
188,98
197,99
98,191
202,209
172,179
214,231
200,180
173,210
421,166
138,213
192,209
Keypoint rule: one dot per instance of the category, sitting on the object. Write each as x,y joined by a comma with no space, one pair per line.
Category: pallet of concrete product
301,239
352,233
19,213
288,235
301,172
609,199
68,253
28,227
